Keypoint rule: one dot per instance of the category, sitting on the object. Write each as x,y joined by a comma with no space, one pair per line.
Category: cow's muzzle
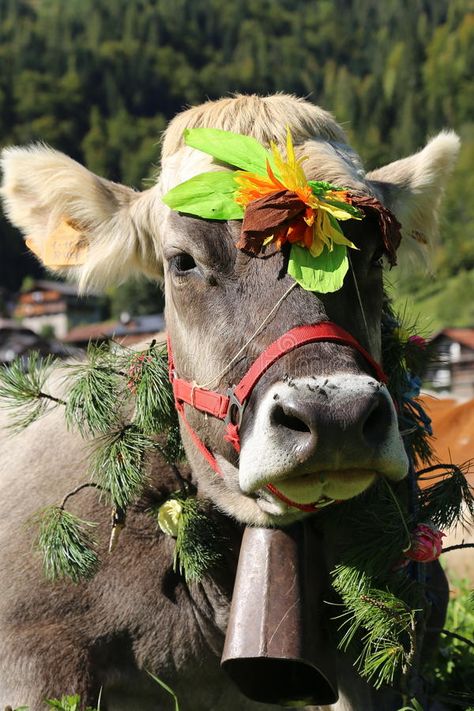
322,439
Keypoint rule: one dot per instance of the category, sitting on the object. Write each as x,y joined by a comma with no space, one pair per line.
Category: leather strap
295,338
221,406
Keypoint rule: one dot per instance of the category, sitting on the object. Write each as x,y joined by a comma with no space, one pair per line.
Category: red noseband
230,407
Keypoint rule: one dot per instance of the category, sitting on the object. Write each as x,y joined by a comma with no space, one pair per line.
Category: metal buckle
234,403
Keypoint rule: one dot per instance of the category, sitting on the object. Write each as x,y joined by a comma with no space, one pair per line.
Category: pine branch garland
384,624
384,608
22,389
118,464
198,545
450,500
94,397
148,380
66,545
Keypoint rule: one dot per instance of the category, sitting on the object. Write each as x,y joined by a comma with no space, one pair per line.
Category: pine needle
149,381
377,521
199,542
382,621
118,464
22,389
172,448
446,502
66,545
93,403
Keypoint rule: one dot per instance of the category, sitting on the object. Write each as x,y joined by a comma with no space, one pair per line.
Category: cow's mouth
322,488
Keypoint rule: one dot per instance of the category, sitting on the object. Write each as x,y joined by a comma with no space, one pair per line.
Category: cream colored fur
42,187
413,187
265,118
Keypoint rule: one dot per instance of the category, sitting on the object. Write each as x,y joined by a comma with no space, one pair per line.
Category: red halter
230,407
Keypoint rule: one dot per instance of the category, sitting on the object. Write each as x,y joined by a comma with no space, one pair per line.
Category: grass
451,673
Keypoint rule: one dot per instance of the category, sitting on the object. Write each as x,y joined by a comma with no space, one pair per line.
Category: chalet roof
91,332
60,286
132,331
17,340
464,336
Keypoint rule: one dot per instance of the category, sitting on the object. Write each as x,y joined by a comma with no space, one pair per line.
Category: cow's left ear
78,224
412,187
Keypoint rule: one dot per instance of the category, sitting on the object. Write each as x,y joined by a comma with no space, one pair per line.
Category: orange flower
314,224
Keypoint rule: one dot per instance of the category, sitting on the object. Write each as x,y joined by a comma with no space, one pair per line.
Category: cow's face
318,426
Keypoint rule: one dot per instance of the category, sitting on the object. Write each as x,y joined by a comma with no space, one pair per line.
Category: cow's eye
182,263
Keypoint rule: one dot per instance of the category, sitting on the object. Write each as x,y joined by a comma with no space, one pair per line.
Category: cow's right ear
76,223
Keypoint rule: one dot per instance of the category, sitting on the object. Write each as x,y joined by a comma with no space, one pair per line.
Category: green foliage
323,274
385,624
449,501
123,399
66,545
234,149
207,195
414,706
451,673
68,703
118,464
22,389
148,380
167,688
93,402
199,543
65,703
379,620
406,363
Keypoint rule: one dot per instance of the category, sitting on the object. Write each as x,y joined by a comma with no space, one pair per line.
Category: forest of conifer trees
100,79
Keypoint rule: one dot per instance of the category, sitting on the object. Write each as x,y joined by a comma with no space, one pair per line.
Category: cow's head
318,425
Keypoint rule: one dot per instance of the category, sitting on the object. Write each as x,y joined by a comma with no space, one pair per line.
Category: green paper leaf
351,209
243,152
323,274
319,187
208,195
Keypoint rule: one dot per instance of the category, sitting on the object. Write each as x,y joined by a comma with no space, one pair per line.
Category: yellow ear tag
66,246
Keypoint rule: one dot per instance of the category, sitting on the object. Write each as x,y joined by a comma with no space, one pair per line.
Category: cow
452,444
137,616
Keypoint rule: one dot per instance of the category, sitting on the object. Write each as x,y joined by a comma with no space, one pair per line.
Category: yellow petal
337,212
290,151
335,234
316,247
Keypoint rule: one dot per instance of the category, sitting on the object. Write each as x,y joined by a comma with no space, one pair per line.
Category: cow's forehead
183,165
323,160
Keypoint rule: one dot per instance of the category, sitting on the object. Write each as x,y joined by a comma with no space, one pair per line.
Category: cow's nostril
288,420
378,422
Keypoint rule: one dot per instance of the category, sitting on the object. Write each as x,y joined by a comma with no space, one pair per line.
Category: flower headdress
277,205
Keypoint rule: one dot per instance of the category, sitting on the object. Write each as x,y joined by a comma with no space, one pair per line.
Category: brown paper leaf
264,216
388,223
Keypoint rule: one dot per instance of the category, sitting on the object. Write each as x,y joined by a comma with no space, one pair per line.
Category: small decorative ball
169,517
426,545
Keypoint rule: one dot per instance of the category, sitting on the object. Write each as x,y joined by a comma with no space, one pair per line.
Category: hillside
99,80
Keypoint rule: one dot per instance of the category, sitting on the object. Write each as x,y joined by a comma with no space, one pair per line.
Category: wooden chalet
57,306
452,370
